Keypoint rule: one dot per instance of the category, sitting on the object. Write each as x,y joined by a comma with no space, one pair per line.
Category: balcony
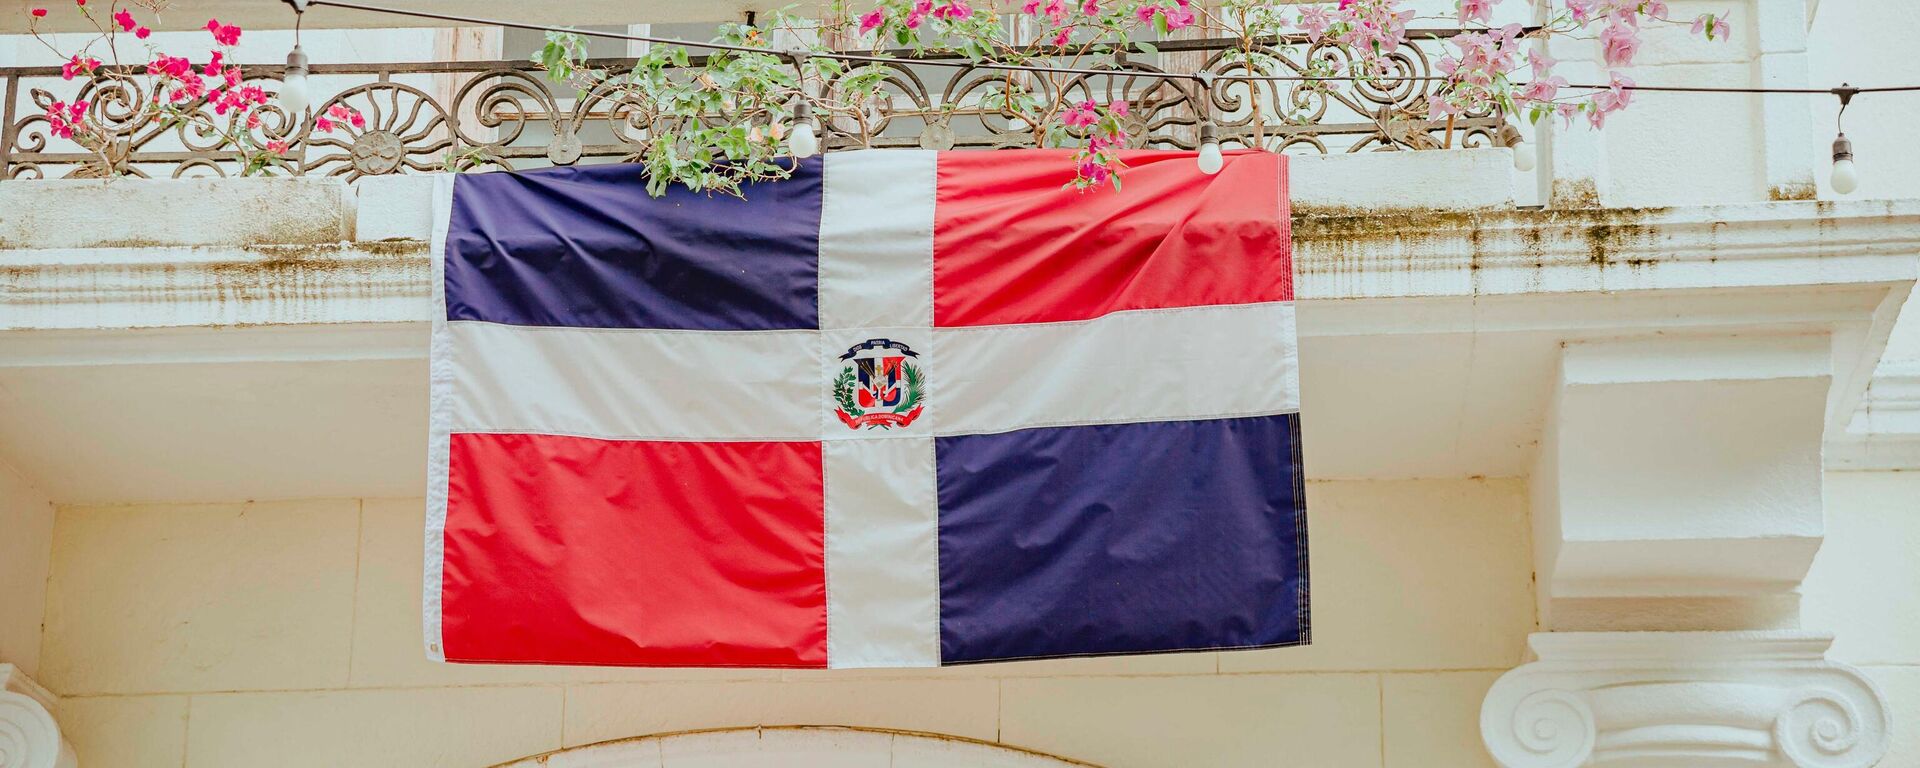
459,115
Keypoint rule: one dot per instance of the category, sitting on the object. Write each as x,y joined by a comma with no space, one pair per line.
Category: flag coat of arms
902,409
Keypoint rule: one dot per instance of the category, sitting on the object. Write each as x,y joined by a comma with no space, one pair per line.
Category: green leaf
1148,48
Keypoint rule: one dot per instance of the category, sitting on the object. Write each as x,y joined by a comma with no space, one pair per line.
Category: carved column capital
29,736
1684,698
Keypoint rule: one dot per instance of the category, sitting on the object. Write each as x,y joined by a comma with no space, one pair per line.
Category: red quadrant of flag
572,550
1011,244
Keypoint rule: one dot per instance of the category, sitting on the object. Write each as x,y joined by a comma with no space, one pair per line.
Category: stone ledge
159,213
81,213
1337,257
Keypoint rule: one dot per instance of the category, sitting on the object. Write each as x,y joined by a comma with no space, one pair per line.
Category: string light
1210,159
803,141
997,66
1844,180
293,86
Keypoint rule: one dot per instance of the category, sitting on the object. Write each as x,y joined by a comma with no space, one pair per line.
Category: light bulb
801,140
1523,157
293,87
1210,159
293,96
1845,180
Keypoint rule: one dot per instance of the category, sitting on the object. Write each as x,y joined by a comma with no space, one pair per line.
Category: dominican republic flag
903,409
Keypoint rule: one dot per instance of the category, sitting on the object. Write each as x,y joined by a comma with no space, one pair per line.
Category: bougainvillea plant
717,122
169,92
753,93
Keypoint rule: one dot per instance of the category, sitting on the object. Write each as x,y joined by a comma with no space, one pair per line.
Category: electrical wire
1844,91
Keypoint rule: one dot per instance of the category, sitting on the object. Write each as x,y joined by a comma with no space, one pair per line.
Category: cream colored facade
287,634
1595,483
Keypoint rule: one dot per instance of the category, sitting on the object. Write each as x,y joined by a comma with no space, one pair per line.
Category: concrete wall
26,525
288,634
1865,588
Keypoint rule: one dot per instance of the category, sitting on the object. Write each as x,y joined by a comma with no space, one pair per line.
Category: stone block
1198,722
424,727
203,597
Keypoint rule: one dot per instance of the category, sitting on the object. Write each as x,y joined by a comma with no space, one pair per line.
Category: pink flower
142,33
1091,170
1056,10
39,13
1543,89
277,147
1621,87
954,11
1618,43
1618,94
125,19
1031,7
232,76
170,66
1175,17
1540,62
1567,111
1117,107
919,12
358,120
1715,27
78,66
1179,17
1081,115
1090,8
1654,9
872,20
1314,21
1582,10
323,124
64,119
80,2
1476,10
253,119
213,63
227,35
1060,39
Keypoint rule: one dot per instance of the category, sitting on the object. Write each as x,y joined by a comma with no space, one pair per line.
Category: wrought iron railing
455,115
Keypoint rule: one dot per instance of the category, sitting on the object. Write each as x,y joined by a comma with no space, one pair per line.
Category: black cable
958,64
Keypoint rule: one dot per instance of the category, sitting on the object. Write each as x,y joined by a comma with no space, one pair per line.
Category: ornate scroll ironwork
457,115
